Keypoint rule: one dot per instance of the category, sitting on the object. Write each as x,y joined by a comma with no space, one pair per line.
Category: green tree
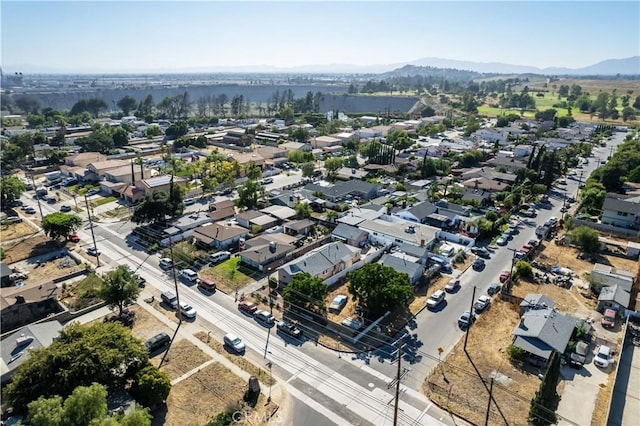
523,269
119,288
177,129
137,417
307,169
545,403
249,194
153,131
82,354
306,292
332,165
471,126
303,210
127,104
45,411
120,137
96,105
85,405
155,207
11,188
380,289
628,113
586,238
300,134
152,386
59,224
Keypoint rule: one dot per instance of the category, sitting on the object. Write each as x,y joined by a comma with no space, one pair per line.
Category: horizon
173,37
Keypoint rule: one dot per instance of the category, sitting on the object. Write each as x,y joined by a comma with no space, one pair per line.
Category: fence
607,228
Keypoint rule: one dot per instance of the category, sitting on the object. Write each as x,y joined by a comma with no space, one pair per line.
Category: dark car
481,252
289,328
493,289
157,342
478,264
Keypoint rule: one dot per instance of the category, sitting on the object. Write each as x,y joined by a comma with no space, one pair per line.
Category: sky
124,36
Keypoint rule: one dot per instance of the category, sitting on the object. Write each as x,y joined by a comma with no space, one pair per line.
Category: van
156,342
219,256
170,299
207,285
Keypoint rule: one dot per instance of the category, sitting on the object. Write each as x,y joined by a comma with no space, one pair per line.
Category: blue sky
122,36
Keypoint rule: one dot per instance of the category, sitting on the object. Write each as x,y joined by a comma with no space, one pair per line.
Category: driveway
581,387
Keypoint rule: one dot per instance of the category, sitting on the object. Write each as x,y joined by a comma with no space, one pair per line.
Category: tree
380,289
60,224
119,288
96,105
303,210
523,269
120,137
82,354
628,113
155,207
545,403
249,194
11,188
332,165
153,131
306,292
45,411
177,129
127,104
586,238
152,386
85,404
30,104
307,169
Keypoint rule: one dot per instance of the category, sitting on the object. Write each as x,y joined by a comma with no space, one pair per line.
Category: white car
603,357
482,303
187,310
234,342
502,241
436,299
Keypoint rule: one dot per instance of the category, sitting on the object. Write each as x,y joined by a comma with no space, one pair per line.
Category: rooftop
402,231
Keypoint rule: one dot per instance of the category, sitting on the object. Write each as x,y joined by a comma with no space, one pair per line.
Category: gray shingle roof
422,210
542,330
319,260
615,293
347,232
401,265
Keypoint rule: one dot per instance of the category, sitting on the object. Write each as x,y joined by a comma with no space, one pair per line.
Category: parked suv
248,307
264,317
156,342
436,299
170,299
189,275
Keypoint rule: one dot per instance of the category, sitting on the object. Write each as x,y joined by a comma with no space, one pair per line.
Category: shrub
515,353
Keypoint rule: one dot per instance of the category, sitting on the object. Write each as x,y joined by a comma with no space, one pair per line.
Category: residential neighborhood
436,243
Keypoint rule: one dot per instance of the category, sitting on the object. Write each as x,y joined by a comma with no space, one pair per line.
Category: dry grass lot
22,249
53,269
146,325
603,400
183,356
16,230
455,385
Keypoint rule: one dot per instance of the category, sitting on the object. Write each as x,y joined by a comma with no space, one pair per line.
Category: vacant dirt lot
16,230
570,300
456,384
183,356
22,249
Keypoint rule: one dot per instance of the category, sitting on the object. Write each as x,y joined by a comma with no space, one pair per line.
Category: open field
16,230
228,275
593,86
146,325
456,385
21,249
183,356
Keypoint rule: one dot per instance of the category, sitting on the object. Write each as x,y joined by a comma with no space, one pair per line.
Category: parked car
609,318
494,288
207,285
187,311
502,241
92,192
12,219
338,303
504,276
188,275
481,251
219,256
157,342
166,263
264,317
74,238
189,201
353,324
92,251
482,303
267,180
234,342
170,299
579,355
436,299
65,208
452,285
478,264
248,307
289,328
466,319
603,357
30,210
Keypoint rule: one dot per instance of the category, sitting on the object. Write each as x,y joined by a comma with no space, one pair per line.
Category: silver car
234,342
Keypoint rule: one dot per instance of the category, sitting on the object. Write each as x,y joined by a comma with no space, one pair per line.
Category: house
324,141
540,332
358,215
509,164
351,235
484,184
621,210
417,213
269,138
323,262
219,235
255,220
26,304
609,276
221,210
420,254
83,159
614,297
124,174
237,136
340,191
160,183
299,227
536,301
246,158
272,152
295,146
397,232
348,173
420,185
280,212
404,266
491,135
481,196
264,250
131,193
97,171
16,348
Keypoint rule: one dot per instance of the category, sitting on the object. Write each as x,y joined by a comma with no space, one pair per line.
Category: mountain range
625,66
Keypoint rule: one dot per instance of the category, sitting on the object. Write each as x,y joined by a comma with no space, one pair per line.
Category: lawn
105,200
82,294
228,275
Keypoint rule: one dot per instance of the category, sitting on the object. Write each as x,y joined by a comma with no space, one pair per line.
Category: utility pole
175,281
466,334
93,236
395,408
33,181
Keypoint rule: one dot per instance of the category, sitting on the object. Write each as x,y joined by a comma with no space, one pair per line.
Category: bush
515,353
524,269
152,386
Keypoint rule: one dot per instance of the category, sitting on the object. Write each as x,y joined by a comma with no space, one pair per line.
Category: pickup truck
579,355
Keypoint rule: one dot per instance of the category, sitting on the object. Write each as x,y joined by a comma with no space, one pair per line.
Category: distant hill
626,66
430,71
